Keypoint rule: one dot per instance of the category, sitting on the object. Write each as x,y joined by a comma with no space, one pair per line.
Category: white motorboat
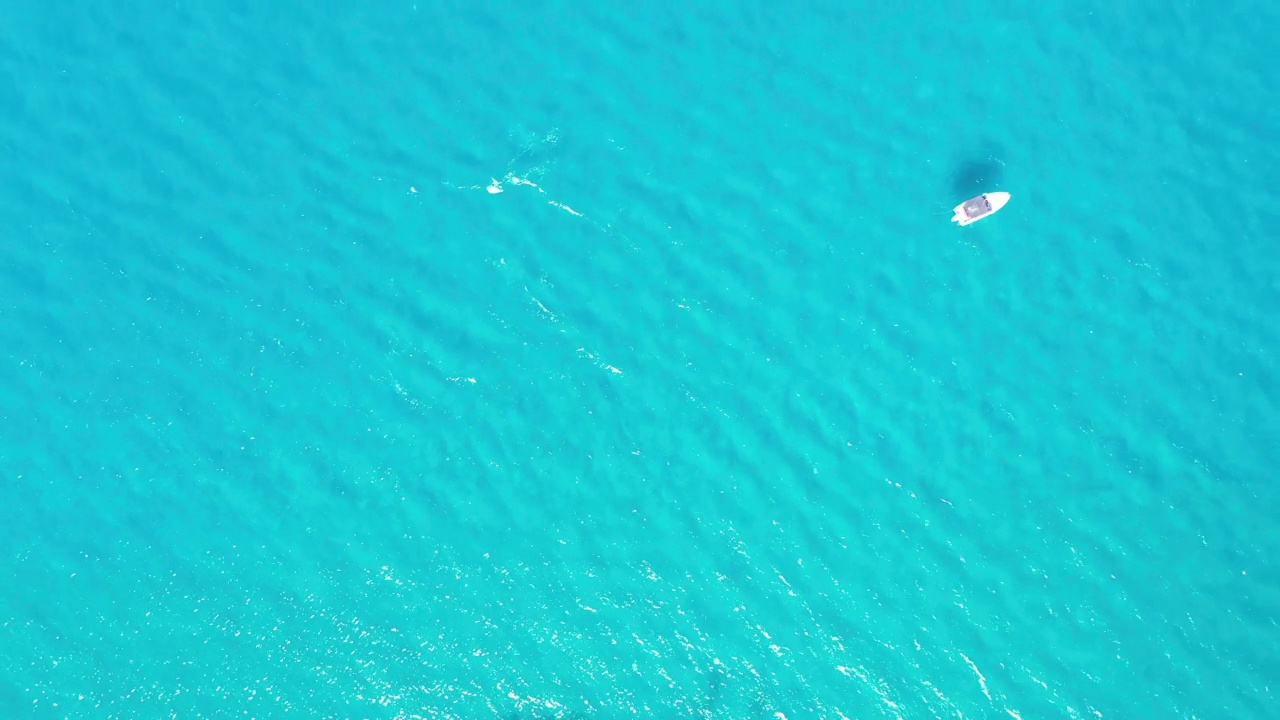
974,209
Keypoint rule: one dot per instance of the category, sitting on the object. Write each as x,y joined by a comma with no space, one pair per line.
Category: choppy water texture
568,360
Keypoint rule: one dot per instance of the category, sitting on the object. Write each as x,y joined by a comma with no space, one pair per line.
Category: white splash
591,356
982,680
566,208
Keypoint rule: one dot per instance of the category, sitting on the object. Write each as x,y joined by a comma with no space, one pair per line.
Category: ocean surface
619,360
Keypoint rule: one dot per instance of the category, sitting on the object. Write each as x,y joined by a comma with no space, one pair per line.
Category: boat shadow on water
975,176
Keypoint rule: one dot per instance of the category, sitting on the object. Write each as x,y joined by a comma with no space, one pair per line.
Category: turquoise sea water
558,360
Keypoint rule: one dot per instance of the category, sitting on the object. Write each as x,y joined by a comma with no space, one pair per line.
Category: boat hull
966,214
